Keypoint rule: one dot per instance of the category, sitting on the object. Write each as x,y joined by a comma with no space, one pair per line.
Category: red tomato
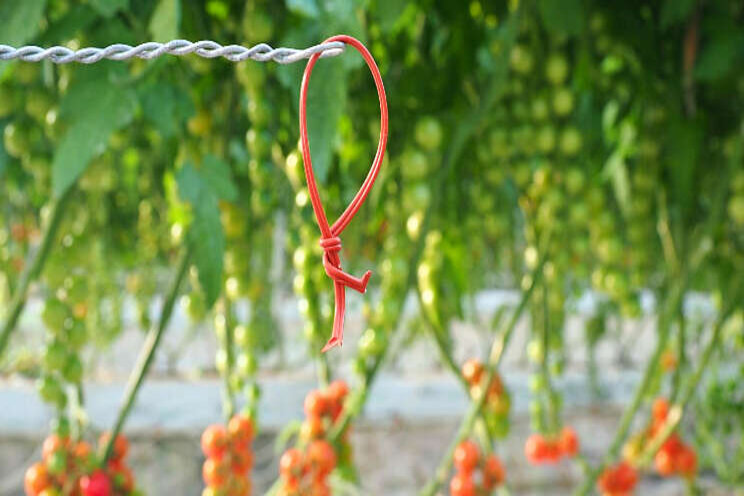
214,441
493,472
686,462
241,462
315,404
462,485
36,479
664,462
52,444
466,456
568,442
337,391
121,445
96,484
535,449
321,456
291,464
240,429
214,472
660,409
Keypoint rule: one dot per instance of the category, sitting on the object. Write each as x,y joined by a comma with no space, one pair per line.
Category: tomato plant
556,149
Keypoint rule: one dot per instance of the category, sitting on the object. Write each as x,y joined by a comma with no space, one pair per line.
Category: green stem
497,352
147,353
228,399
33,268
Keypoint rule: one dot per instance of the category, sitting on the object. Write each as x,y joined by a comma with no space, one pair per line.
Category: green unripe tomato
26,73
736,209
415,165
246,364
257,26
521,59
537,383
16,140
73,369
55,314
220,361
535,351
563,102
6,102
371,343
574,180
76,335
570,141
556,69
428,133
51,391
546,139
539,109
55,356
38,104
242,336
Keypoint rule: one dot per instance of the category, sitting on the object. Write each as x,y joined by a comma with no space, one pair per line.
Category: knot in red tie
329,241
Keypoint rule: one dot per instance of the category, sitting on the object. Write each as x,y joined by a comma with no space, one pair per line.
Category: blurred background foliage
600,139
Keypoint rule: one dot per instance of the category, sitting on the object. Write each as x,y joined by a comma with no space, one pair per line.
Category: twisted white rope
150,50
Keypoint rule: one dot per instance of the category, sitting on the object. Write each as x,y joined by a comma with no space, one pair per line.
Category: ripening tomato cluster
541,449
474,473
305,473
226,471
674,456
322,409
618,480
498,401
70,468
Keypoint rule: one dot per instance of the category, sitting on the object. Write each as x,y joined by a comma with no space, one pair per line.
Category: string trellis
150,50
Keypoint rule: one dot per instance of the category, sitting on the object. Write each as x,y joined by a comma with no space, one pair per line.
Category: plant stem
497,352
147,353
33,268
228,399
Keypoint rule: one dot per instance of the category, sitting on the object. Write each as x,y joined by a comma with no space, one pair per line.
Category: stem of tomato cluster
228,398
147,353
497,352
673,300
34,265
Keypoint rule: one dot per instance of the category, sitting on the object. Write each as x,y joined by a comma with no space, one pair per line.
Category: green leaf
75,20
108,8
95,108
216,174
718,57
202,189
685,142
21,20
167,106
326,101
306,8
562,17
616,170
166,20
674,11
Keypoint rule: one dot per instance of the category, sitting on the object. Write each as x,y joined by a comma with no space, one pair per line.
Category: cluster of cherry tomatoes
674,457
498,401
226,471
71,468
618,480
475,474
541,449
304,469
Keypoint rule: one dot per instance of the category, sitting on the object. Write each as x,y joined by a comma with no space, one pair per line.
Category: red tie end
332,343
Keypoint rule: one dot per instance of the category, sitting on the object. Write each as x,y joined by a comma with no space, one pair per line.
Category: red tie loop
329,235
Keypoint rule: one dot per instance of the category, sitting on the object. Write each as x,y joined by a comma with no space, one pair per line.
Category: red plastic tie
329,235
